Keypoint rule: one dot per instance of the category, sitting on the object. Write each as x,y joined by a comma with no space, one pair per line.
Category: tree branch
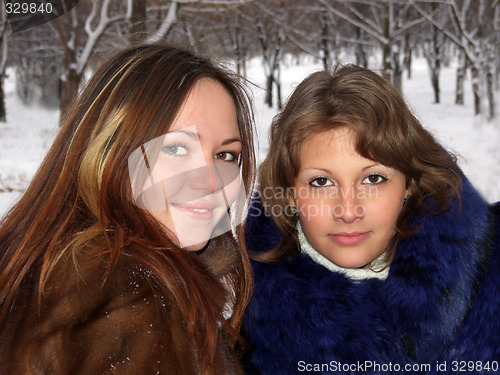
167,23
361,25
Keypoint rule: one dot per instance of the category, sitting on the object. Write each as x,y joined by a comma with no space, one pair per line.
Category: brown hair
385,130
82,190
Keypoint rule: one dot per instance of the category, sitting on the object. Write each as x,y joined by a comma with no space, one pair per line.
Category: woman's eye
321,182
226,156
175,150
374,179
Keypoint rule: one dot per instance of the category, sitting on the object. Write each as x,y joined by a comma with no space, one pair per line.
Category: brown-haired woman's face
195,174
348,205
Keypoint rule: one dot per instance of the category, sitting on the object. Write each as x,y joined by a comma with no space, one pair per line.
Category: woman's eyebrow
231,140
198,137
371,166
317,169
190,134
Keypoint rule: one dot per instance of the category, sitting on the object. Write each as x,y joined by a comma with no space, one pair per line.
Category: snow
29,131
24,140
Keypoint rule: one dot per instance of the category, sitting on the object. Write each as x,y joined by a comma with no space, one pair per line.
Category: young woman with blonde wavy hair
109,262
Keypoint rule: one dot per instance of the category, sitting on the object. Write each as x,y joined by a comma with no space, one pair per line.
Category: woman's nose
348,208
207,179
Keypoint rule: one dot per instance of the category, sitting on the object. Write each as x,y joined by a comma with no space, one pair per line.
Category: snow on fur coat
124,326
437,312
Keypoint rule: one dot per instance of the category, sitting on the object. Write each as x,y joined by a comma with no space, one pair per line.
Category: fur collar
413,315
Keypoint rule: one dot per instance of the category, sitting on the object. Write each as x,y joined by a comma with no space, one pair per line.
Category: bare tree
277,26
81,30
386,21
234,35
496,40
472,31
239,39
267,18
272,40
79,41
137,21
167,22
3,62
433,49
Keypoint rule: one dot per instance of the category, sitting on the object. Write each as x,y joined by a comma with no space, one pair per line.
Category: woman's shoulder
495,209
261,234
108,321
82,282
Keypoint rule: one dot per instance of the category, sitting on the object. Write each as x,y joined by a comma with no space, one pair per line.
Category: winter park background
274,46
29,130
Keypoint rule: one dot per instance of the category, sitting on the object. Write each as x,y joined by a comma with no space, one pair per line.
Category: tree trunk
437,45
387,68
69,89
240,53
325,57
397,69
408,56
361,58
3,111
278,90
476,87
269,90
325,49
3,66
490,92
237,52
138,32
239,62
434,58
435,85
459,90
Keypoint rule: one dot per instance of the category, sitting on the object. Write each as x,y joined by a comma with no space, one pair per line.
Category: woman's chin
195,247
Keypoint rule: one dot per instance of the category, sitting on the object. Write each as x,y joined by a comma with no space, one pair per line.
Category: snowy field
29,131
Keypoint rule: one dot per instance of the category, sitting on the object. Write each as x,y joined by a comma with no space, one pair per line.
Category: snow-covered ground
24,140
29,131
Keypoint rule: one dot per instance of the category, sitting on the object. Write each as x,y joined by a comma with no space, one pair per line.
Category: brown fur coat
121,327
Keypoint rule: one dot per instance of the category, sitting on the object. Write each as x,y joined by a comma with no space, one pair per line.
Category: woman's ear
292,206
411,187
407,193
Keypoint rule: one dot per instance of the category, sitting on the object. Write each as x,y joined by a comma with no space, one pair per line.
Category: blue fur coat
438,312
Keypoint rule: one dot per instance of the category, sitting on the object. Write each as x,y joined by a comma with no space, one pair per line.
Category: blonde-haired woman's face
195,175
348,205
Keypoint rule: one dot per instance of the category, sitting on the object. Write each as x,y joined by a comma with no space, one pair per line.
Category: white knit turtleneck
355,274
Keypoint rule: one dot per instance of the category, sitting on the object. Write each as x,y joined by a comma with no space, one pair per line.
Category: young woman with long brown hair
110,262
373,253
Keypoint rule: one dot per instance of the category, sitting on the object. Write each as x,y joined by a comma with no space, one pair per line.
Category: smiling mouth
196,210
349,239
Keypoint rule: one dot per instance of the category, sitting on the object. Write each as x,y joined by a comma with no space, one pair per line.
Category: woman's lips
349,239
197,210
